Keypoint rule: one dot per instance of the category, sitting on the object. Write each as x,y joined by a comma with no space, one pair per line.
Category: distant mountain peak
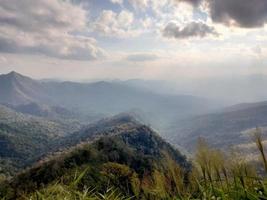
19,89
13,74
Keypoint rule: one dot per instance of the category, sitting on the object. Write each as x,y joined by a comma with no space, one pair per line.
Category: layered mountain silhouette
178,117
230,127
106,98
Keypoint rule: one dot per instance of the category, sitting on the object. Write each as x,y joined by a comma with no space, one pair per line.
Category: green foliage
122,177
25,138
226,176
139,164
122,161
60,191
259,142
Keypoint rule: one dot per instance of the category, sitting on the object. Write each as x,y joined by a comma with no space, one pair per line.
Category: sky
128,39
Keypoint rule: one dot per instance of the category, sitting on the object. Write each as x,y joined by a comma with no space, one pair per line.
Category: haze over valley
180,119
133,99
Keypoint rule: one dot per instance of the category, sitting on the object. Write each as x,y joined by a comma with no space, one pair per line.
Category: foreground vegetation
216,175
136,162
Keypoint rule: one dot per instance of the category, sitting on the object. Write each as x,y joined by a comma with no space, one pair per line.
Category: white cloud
60,29
146,22
139,4
125,17
45,27
113,24
117,1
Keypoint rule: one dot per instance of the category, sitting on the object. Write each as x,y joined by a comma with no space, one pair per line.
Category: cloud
3,59
142,57
193,2
113,24
193,29
257,50
139,4
117,1
241,13
48,27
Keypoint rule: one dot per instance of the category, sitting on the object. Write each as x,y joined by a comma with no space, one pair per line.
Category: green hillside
136,162
24,138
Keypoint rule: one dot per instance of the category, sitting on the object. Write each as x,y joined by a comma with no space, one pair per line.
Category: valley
56,130
133,100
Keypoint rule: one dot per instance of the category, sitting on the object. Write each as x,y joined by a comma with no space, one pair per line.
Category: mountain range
112,133
175,116
231,127
102,98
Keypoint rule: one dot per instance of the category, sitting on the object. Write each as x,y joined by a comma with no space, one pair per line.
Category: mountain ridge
18,89
87,98
228,127
136,147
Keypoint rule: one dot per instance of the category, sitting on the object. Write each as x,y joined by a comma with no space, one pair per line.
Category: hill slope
55,113
18,89
132,159
223,129
24,138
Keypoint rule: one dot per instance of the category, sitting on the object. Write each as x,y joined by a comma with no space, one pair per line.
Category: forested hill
130,157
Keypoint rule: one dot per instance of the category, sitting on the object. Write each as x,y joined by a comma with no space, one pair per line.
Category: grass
216,175
228,176
59,191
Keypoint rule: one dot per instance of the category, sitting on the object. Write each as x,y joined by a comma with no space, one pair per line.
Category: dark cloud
142,57
193,29
242,13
